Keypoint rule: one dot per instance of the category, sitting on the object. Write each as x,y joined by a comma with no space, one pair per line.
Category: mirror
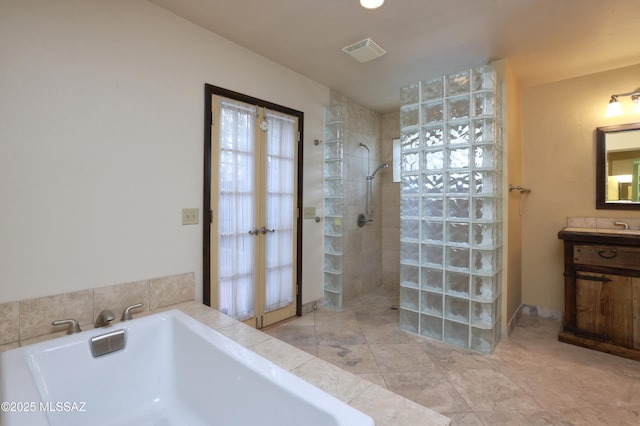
618,167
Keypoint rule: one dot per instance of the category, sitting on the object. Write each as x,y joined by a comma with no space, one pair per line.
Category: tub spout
104,319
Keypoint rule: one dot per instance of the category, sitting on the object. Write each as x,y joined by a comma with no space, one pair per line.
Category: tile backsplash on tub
171,290
117,297
9,322
36,315
31,319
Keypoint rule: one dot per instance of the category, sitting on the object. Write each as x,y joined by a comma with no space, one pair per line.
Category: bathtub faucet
74,327
126,314
104,319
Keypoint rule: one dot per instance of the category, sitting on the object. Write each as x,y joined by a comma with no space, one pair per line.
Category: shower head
380,167
364,146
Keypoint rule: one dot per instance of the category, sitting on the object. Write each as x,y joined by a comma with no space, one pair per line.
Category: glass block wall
333,205
451,209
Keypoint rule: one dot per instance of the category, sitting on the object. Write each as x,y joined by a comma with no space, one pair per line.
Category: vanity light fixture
371,4
636,100
614,108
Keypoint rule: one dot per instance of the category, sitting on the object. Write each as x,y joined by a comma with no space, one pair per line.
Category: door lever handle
255,231
264,230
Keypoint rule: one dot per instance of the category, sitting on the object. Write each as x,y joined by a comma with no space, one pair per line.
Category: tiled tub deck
26,322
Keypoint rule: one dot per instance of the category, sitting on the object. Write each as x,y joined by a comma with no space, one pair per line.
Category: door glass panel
236,211
280,211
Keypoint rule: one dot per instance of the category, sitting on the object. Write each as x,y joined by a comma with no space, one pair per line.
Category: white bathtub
173,371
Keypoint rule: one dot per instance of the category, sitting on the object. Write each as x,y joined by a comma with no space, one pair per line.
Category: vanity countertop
602,235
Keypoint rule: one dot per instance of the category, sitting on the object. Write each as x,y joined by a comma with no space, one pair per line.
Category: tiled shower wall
390,205
29,321
361,247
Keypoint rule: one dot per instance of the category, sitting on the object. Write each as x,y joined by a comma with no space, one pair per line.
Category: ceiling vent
365,50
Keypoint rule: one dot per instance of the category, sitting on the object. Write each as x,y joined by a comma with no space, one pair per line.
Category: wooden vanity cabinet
602,292
603,308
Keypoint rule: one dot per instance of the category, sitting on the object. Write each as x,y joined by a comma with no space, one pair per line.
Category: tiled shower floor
530,379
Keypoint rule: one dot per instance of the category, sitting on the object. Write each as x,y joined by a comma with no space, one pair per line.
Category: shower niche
451,209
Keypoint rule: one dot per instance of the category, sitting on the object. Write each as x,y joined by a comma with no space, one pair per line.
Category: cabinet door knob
608,254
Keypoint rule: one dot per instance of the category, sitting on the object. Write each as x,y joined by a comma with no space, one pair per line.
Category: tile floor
530,379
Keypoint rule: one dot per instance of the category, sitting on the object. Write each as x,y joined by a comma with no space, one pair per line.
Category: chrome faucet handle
104,319
126,314
74,327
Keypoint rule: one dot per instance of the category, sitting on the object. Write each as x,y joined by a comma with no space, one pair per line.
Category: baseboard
547,313
314,305
506,331
532,310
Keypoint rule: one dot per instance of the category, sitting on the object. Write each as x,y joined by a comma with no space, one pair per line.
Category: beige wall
101,135
558,164
512,139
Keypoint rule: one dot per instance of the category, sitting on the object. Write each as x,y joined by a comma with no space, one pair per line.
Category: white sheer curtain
236,207
280,187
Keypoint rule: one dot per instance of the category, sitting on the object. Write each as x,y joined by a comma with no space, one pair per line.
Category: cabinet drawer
612,256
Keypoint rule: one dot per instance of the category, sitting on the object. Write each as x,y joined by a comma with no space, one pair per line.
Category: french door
254,189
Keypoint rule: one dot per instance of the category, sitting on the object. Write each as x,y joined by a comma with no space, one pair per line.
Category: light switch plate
190,216
309,213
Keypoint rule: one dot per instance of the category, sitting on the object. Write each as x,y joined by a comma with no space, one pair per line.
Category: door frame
207,214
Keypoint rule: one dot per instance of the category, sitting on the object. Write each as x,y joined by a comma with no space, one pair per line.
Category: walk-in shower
366,217
352,254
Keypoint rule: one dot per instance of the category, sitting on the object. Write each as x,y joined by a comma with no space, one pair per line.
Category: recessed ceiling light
371,4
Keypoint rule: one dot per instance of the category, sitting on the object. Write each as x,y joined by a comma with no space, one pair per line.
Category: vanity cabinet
602,291
603,308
